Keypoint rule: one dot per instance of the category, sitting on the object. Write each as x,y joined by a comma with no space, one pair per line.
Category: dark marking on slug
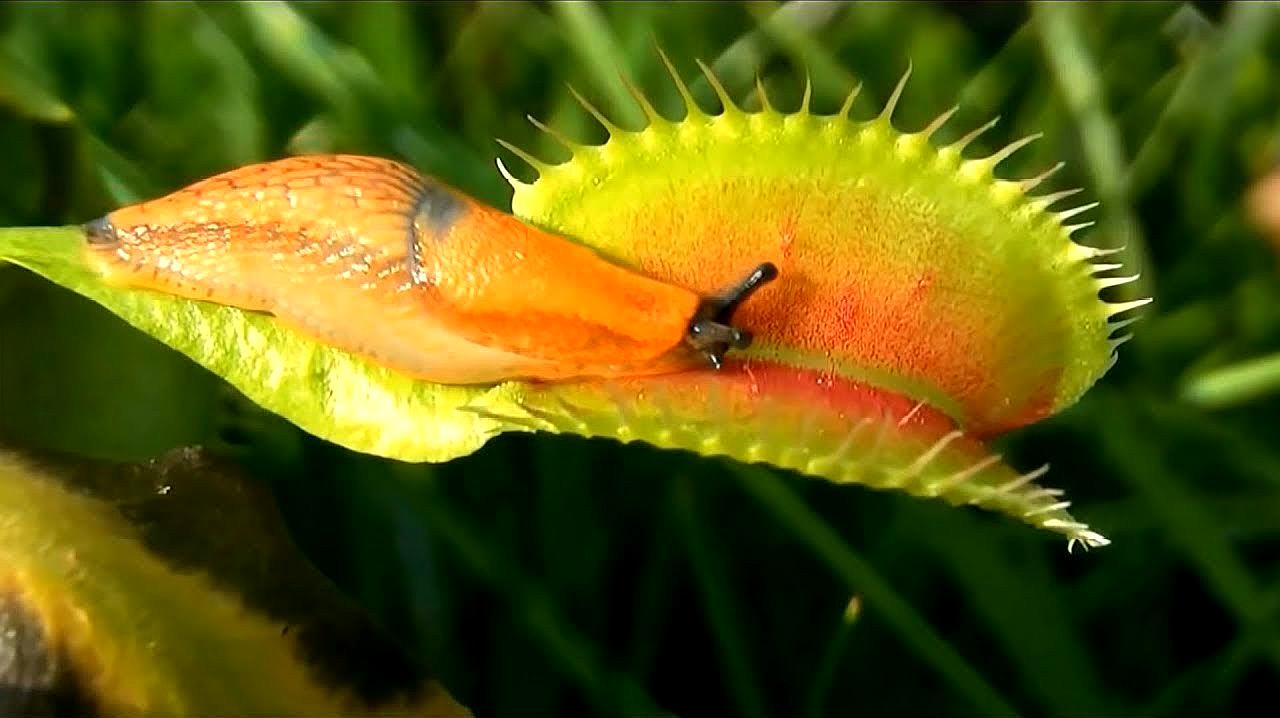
100,231
438,208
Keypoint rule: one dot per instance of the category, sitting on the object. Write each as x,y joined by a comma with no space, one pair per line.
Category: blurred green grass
549,575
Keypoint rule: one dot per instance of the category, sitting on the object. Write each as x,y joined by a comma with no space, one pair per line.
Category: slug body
366,255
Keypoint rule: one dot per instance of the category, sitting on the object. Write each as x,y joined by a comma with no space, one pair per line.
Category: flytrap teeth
511,179
763,96
959,145
727,105
1085,537
1031,183
691,105
1100,252
1107,282
886,115
534,162
937,124
1022,480
1005,152
1118,341
1065,215
847,106
923,460
1084,252
964,475
1120,324
552,132
1047,509
1043,202
1114,308
594,112
651,114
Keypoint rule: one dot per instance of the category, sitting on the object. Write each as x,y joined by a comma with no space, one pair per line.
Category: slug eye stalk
710,330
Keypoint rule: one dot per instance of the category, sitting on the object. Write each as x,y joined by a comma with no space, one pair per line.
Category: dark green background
550,575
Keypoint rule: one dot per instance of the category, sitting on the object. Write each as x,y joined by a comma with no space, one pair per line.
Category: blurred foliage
123,593
553,575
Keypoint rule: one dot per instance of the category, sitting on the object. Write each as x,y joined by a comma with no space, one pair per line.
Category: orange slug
366,255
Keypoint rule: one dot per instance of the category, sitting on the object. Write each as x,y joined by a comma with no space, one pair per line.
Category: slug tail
100,232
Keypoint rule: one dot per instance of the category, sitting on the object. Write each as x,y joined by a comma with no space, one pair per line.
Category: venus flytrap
924,302
923,306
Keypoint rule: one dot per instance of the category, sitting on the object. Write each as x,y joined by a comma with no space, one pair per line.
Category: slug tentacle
711,331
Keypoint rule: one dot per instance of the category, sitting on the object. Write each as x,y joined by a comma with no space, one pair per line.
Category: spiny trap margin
544,201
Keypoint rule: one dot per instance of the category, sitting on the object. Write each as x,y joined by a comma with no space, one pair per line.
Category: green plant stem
990,87
575,655
816,702
588,32
1188,524
1078,79
789,24
721,607
767,488
792,27
1203,88
1235,384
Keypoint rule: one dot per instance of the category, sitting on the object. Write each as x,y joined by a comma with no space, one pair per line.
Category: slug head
711,331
